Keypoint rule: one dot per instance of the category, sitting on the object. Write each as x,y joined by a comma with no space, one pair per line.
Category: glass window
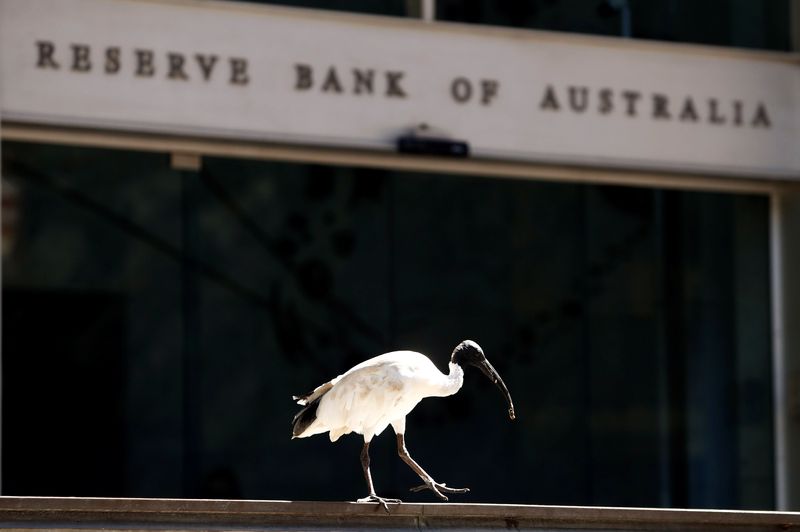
156,324
396,8
739,23
734,23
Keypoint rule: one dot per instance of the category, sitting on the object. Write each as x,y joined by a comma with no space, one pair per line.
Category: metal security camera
421,141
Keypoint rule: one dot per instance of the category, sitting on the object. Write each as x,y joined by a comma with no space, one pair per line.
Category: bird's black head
468,353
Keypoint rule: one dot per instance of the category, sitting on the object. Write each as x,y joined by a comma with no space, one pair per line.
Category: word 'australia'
656,106
142,62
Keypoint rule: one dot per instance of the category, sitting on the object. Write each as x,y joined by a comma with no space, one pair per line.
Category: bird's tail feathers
316,393
304,418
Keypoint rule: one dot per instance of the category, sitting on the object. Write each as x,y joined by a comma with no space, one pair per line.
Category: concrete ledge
32,513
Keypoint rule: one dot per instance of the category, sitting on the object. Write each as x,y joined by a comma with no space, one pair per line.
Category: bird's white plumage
379,392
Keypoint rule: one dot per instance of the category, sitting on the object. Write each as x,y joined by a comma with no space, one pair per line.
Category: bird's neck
453,380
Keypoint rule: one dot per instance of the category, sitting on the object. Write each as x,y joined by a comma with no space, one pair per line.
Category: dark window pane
740,23
381,7
170,316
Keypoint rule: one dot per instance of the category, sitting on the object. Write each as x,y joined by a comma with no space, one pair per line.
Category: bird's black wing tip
304,418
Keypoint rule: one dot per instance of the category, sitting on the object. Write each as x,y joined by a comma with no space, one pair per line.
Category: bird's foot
439,489
380,500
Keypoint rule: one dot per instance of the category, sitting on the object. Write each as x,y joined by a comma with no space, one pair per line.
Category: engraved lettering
393,88
461,90
737,113
303,77
761,118
239,74
489,89
80,58
549,100
176,62
661,107
578,98
606,101
331,83
144,63
688,113
362,80
631,98
112,64
46,49
713,112
206,64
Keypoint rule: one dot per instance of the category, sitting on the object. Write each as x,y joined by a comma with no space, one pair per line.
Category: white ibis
380,392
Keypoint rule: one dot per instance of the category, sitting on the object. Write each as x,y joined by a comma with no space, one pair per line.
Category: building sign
238,71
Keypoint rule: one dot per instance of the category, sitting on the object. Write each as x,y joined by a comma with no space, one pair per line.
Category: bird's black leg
429,482
372,497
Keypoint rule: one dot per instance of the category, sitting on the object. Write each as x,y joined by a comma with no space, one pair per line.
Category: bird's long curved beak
493,376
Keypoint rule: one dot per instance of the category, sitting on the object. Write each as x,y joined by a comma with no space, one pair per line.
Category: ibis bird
382,391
